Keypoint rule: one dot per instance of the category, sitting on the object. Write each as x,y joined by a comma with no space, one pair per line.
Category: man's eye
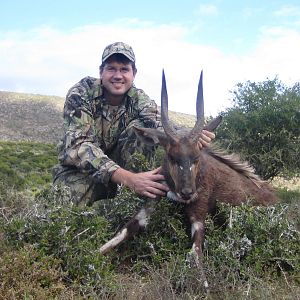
124,70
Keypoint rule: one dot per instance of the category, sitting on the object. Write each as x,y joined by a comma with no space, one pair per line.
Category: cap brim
126,55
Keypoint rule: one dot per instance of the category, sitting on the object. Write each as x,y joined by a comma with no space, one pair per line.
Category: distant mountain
38,118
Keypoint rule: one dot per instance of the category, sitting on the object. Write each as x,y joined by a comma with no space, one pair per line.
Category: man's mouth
118,83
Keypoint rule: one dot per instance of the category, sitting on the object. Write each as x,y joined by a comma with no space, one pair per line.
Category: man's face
117,79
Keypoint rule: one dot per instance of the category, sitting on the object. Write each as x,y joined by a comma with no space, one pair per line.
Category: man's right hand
145,183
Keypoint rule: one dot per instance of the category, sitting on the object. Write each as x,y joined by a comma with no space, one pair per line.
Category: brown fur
211,175
231,181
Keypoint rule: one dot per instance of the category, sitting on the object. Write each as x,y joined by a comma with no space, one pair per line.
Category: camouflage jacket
91,129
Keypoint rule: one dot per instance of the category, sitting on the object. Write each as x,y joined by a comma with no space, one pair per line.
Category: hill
38,118
30,117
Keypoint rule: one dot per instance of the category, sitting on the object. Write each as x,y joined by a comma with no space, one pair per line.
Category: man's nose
118,73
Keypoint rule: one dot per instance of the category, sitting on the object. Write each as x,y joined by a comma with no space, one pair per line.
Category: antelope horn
200,111
168,128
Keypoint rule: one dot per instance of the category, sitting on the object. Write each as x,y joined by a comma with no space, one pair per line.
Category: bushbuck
196,177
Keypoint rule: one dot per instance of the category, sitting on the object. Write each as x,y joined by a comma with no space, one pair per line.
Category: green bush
26,165
260,249
263,126
69,233
262,239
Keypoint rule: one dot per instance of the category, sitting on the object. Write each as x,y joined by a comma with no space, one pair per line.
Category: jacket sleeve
80,147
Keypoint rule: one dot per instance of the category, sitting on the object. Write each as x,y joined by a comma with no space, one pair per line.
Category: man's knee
83,189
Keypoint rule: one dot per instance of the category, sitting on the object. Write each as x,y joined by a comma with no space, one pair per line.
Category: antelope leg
196,251
133,226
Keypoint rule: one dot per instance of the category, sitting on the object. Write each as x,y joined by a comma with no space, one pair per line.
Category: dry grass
292,184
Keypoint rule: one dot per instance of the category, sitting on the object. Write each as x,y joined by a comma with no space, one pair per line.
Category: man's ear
150,136
134,72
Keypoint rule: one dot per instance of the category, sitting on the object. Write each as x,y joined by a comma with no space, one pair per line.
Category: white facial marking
172,196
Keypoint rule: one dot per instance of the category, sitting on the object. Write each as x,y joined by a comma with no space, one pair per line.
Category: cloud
288,11
276,54
207,10
46,60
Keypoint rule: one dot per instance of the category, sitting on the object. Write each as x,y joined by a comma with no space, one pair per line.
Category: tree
264,126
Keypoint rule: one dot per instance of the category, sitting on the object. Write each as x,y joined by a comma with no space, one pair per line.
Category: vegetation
17,160
49,248
263,126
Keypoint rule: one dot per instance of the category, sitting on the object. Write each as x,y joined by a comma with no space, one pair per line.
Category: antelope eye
175,162
171,159
196,159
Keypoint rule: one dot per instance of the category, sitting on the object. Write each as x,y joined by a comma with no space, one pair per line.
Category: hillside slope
38,118
30,117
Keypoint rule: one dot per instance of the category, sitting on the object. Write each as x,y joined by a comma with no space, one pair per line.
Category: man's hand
205,138
144,183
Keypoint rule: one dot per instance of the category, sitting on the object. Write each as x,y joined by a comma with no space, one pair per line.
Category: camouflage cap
118,47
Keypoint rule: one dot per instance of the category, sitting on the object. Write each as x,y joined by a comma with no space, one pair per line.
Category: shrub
260,246
27,273
263,126
262,239
26,165
71,234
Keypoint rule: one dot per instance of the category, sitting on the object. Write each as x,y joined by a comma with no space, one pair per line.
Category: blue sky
46,46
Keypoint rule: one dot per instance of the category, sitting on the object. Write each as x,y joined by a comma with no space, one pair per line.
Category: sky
48,46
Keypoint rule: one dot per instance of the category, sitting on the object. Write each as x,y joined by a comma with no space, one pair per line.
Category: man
99,139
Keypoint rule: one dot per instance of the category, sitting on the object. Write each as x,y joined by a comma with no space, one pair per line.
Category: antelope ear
213,124
150,136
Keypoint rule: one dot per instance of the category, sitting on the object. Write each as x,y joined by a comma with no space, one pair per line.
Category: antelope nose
186,193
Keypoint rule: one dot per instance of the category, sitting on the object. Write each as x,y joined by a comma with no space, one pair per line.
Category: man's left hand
205,138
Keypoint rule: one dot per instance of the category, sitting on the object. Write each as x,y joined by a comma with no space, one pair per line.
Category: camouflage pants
83,188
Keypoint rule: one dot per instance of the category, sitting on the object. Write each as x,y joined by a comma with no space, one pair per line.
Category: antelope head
183,156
